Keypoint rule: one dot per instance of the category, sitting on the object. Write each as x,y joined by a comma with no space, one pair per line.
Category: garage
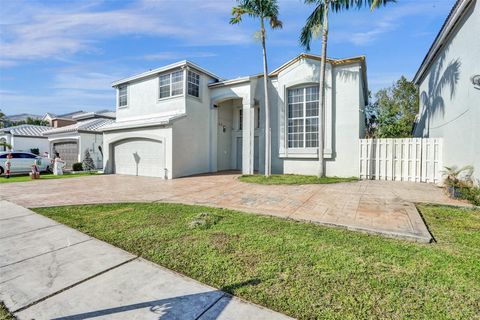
68,152
140,157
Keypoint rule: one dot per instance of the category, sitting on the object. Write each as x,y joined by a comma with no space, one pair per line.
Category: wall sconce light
224,128
476,81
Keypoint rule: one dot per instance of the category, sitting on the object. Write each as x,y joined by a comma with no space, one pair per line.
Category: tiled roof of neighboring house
29,130
95,114
457,12
90,125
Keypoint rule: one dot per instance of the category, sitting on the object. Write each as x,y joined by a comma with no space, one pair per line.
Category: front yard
43,176
303,270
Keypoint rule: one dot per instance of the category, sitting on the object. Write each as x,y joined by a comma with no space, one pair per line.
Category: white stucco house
25,137
449,86
72,140
181,119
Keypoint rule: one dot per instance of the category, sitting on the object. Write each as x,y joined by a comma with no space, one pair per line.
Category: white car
21,162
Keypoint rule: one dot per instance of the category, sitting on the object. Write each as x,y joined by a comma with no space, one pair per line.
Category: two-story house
181,119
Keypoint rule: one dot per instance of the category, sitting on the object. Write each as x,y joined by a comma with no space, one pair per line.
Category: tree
87,163
316,22
394,110
264,10
30,120
2,119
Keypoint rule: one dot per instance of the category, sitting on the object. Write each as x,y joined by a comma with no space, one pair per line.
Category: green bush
471,194
35,151
77,166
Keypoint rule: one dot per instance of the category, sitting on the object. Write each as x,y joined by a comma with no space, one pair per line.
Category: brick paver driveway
373,206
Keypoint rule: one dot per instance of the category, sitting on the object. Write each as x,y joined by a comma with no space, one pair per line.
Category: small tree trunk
321,94
267,106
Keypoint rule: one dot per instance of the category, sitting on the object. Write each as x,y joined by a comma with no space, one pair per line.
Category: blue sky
61,56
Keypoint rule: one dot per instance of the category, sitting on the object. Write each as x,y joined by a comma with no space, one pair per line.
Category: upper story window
171,84
193,85
303,117
122,96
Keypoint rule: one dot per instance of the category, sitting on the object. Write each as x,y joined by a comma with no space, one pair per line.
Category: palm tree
316,22
264,10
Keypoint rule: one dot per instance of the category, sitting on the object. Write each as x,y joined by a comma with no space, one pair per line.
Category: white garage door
140,157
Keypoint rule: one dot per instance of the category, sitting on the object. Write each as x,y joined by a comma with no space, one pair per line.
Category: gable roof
457,12
90,125
26,130
332,61
163,69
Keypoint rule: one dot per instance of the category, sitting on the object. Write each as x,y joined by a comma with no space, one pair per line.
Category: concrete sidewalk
50,271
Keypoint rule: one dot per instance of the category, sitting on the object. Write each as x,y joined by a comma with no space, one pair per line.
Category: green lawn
4,313
43,176
292,179
301,269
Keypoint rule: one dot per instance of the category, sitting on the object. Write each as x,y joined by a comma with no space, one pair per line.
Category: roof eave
457,12
164,69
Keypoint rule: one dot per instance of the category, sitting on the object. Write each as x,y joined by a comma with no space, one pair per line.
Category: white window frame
120,87
170,76
197,75
304,118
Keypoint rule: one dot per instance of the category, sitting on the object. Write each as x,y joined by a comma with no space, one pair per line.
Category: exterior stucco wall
154,133
91,141
347,118
344,119
28,143
191,153
454,115
143,101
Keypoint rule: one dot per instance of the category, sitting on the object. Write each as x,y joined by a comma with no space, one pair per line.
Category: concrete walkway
50,271
382,207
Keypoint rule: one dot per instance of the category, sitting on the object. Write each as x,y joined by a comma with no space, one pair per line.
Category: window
122,96
240,119
27,156
303,117
171,84
193,84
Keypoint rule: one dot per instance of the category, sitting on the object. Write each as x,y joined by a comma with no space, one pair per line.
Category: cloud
383,21
40,31
169,55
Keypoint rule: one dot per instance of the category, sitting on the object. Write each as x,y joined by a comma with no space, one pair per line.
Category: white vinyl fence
410,159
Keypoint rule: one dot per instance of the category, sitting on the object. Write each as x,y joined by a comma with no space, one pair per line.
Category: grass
4,313
43,176
300,269
293,179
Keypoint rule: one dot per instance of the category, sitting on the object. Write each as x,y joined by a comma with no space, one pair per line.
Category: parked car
22,162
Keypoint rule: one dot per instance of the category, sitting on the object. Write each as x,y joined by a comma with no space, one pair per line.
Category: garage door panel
68,152
142,157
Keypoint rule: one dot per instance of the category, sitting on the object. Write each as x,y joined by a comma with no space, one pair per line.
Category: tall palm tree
316,22
265,11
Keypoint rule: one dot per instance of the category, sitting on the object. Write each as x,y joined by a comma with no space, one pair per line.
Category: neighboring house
72,140
25,137
449,86
62,120
181,119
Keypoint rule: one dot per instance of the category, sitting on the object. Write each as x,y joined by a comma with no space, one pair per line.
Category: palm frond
312,25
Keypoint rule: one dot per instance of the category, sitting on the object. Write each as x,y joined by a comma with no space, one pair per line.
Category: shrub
35,151
203,220
87,162
77,166
471,194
